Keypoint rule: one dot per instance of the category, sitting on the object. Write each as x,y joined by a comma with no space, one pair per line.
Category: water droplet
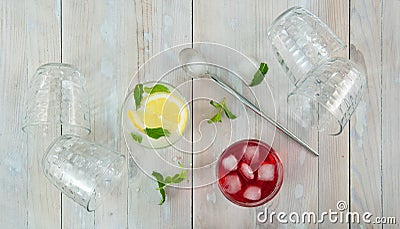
298,191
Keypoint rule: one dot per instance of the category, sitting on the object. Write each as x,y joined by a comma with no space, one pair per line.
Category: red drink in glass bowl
250,173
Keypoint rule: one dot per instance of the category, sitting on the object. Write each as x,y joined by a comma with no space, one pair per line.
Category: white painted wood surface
108,40
390,102
335,152
366,129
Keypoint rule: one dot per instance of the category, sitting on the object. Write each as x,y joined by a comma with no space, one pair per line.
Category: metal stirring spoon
194,64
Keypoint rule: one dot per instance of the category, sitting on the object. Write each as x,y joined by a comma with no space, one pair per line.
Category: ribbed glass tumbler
328,96
58,96
84,171
301,41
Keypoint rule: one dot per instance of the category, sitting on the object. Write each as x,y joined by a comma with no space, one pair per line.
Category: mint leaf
157,133
158,177
259,75
263,68
156,88
227,112
177,178
138,94
137,137
161,185
215,104
168,180
162,192
216,117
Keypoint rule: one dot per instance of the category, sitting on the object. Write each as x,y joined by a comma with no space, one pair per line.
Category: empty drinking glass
300,41
58,96
84,171
328,96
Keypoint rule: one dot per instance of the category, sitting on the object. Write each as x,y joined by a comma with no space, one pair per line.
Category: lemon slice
161,109
138,119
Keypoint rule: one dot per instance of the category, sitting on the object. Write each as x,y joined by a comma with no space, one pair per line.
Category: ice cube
254,156
246,171
252,193
251,152
266,172
230,163
232,184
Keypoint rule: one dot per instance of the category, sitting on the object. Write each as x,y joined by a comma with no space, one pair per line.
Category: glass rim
120,159
278,184
58,65
27,126
336,119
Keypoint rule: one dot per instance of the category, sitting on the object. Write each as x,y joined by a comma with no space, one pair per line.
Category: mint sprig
259,75
163,182
221,106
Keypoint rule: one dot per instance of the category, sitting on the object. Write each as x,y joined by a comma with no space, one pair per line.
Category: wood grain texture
390,110
107,71
280,87
13,81
334,151
79,42
365,129
228,23
301,178
300,185
119,64
43,46
160,25
108,40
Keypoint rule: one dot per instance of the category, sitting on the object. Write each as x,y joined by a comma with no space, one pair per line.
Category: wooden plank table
108,40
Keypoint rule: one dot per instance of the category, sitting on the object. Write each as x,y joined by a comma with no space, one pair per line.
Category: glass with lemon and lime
157,114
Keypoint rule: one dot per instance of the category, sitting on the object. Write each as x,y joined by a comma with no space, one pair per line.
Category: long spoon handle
257,110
